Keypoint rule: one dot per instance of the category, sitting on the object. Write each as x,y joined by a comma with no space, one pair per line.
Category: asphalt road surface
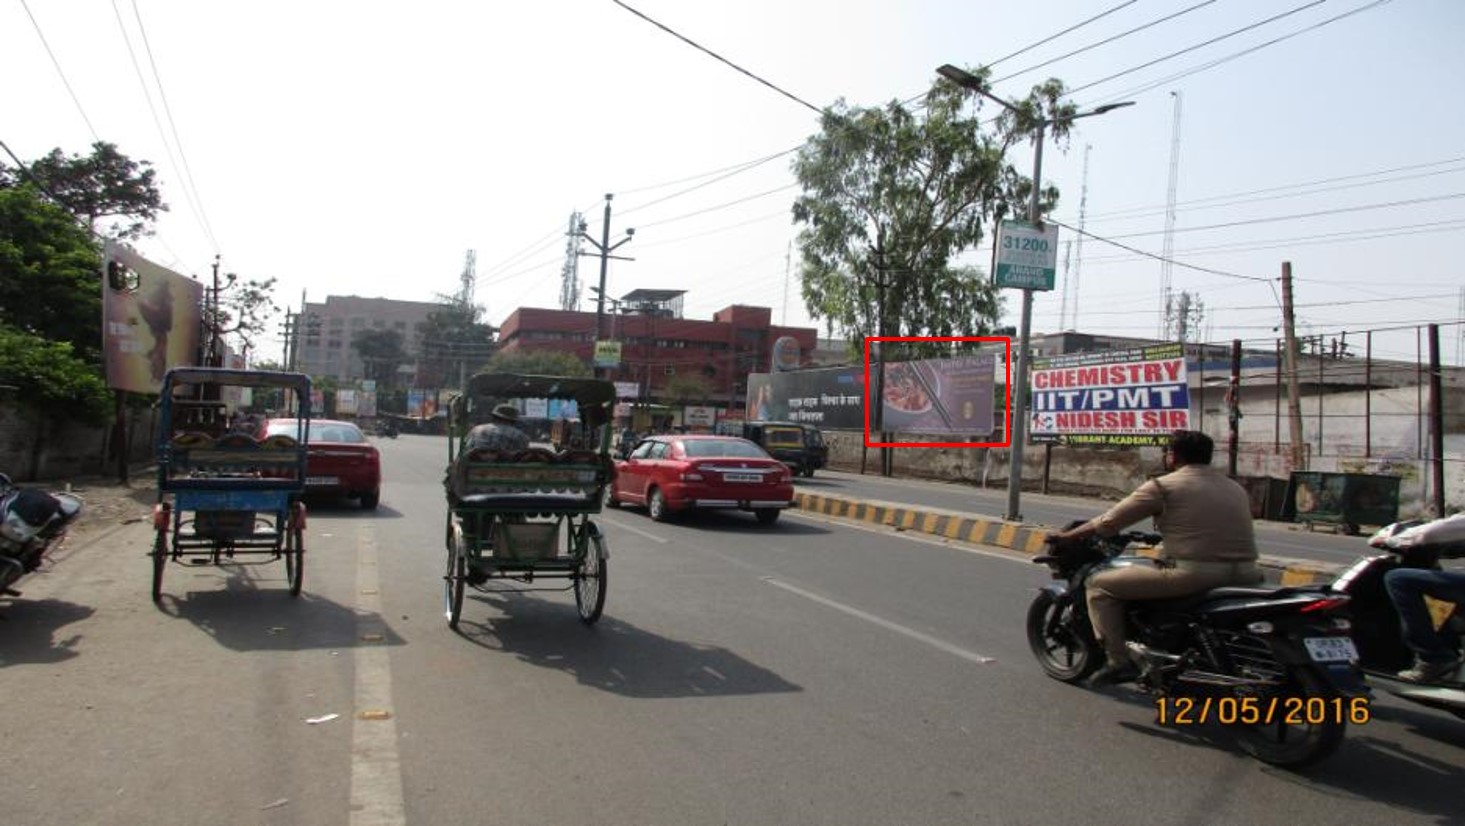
810,672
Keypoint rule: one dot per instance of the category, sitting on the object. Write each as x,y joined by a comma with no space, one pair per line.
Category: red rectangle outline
1006,388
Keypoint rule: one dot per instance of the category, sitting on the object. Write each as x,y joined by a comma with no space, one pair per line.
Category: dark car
679,472
338,458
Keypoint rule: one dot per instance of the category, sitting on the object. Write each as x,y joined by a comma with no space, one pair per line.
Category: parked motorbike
1277,663
387,429
1376,628
31,523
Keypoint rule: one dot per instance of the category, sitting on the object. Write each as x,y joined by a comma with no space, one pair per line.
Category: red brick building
658,345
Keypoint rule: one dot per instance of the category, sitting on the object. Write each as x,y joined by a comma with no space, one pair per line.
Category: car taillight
691,476
1325,604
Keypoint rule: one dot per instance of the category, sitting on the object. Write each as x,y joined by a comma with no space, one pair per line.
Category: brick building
658,345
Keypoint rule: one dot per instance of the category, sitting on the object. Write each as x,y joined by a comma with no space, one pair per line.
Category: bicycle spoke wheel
453,583
590,578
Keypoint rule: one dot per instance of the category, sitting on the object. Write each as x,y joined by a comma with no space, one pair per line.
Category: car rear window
319,432
703,448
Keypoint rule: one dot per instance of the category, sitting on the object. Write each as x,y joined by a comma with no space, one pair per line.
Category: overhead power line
790,95
1052,37
57,64
1110,39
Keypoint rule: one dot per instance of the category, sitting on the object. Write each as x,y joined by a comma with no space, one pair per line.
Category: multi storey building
658,345
325,337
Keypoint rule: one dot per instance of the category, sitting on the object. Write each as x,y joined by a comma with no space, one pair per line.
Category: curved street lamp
971,82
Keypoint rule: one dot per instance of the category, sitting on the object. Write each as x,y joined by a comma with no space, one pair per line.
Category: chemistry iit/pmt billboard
1114,397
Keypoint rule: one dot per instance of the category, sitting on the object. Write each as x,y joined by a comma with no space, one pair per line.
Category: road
810,672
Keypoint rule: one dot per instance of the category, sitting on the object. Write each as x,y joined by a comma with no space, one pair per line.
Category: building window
358,322
670,369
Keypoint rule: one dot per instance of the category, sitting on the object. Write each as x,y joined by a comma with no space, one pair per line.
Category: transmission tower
1070,285
1168,320
1190,311
570,273
469,277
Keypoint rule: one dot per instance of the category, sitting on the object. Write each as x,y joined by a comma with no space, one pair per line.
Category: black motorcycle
1376,629
31,523
1276,664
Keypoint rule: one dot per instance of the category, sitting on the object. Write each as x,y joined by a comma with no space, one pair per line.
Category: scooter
1381,649
32,522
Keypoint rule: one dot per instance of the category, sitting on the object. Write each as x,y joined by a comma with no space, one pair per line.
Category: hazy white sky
362,148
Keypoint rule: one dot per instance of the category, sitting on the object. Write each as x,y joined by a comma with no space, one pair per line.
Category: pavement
110,505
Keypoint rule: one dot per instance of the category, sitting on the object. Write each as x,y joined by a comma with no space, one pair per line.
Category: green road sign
1027,255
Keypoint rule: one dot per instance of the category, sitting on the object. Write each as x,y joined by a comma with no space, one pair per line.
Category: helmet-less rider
1205,518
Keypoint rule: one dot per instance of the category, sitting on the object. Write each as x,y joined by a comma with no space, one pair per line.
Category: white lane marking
376,768
940,645
916,536
623,526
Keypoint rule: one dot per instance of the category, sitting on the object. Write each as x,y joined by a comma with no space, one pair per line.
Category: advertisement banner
1115,397
628,390
607,354
151,317
832,398
948,396
699,416
366,402
421,403
346,402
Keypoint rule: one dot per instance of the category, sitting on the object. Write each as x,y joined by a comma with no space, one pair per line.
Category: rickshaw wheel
295,559
590,578
160,559
453,579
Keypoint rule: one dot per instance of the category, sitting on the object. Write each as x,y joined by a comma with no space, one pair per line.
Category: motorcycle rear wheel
1064,653
1296,746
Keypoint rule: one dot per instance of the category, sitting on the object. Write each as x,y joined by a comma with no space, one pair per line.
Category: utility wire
1053,37
790,95
1316,214
1200,45
1138,251
1110,39
57,64
158,124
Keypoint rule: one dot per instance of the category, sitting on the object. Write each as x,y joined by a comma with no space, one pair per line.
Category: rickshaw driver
500,432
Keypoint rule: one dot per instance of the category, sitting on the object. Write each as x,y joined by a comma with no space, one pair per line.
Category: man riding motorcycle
1205,518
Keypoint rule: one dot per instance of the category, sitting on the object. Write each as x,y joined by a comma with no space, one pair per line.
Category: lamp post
969,81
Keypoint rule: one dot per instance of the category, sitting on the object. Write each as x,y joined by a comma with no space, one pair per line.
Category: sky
364,148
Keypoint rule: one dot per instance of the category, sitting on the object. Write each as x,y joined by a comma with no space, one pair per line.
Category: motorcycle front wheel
1064,653
1296,740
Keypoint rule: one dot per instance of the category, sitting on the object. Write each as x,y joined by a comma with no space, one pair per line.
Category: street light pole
969,81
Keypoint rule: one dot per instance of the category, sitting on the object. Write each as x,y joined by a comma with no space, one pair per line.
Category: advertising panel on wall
366,402
151,318
346,402
939,396
830,398
1115,397
699,416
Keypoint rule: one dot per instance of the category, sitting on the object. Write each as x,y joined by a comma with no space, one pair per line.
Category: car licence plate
742,477
1331,649
322,480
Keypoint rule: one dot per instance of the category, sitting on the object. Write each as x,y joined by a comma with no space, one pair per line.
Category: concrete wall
35,446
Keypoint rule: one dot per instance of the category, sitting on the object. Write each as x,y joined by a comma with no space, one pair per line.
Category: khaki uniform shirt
1203,515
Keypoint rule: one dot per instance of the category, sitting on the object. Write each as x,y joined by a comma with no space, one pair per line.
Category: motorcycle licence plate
1331,649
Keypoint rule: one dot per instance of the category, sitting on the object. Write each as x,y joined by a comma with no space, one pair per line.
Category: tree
687,387
104,184
538,363
51,376
382,352
890,198
453,342
244,310
50,274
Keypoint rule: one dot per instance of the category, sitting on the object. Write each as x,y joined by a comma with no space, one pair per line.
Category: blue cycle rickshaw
223,494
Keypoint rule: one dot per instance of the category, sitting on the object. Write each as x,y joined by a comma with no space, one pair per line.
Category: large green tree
538,363
51,377
105,184
382,351
892,195
50,274
453,342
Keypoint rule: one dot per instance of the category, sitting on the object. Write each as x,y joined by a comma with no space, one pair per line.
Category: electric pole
604,248
1289,362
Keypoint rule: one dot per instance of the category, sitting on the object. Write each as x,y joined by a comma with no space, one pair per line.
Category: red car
338,458
681,472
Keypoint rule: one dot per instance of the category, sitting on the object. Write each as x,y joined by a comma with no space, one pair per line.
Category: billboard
347,403
945,396
151,320
1114,397
831,398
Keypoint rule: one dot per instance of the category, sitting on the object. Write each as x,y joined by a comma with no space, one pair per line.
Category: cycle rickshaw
224,495
525,517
